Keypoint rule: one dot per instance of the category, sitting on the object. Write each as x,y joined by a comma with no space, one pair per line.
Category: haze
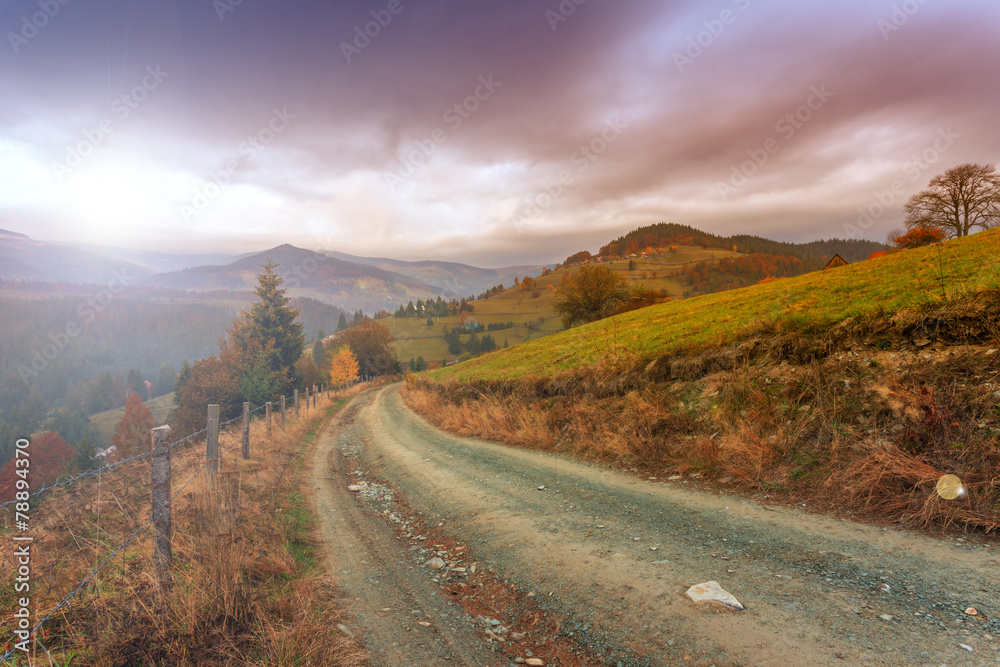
484,132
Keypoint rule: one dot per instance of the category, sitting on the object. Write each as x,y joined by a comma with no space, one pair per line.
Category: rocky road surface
548,560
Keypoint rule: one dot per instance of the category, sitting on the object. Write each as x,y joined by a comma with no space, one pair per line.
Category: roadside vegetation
244,585
855,388
246,588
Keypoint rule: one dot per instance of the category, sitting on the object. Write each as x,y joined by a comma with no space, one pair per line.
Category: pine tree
342,322
135,383
319,353
165,379
84,458
183,377
271,318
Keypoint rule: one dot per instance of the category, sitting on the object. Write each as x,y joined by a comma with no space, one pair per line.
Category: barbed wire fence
262,422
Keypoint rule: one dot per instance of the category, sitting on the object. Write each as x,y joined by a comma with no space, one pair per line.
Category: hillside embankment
862,418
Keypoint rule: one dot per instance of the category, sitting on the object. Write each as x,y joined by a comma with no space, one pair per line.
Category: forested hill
667,233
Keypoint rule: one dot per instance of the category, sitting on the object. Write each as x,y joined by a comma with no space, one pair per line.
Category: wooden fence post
161,504
212,448
282,413
314,396
267,416
246,430
296,403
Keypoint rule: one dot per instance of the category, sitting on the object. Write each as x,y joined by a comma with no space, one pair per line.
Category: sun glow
111,198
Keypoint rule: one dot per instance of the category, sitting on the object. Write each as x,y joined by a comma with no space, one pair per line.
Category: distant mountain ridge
453,278
347,285
339,279
25,259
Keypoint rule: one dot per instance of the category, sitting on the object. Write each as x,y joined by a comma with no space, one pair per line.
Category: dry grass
244,587
867,433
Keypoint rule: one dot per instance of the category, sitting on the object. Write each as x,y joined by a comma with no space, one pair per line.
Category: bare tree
958,201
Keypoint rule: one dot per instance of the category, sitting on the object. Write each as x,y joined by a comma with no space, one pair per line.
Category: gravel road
610,556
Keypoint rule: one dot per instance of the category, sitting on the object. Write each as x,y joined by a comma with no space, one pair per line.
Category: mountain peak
4,233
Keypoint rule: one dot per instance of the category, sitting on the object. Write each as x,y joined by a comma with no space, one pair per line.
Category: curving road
611,555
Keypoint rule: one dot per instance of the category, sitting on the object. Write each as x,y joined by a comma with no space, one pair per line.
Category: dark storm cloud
480,130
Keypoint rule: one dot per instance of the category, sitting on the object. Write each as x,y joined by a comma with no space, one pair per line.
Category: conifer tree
84,458
271,318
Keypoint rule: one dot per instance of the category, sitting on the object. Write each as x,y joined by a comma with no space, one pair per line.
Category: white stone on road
711,591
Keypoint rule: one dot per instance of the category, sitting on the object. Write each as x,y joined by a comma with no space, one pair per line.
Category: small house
835,262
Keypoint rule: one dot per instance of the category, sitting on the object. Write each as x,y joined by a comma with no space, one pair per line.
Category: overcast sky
491,133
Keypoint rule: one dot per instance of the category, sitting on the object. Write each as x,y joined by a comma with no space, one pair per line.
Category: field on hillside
533,316
809,303
106,421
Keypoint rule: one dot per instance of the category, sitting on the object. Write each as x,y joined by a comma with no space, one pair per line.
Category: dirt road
607,558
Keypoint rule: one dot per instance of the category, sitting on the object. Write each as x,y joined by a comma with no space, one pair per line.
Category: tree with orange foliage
343,366
132,432
918,237
49,455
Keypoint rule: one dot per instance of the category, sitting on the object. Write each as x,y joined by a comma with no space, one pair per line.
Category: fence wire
69,596
97,471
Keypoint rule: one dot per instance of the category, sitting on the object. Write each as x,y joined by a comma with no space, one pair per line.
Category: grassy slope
415,339
809,302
